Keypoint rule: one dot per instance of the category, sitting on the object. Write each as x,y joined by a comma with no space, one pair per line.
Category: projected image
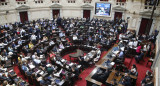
103,9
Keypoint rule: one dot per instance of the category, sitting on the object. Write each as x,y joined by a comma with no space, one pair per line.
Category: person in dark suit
69,79
75,70
13,45
127,80
139,57
103,77
133,70
147,82
50,69
81,61
4,53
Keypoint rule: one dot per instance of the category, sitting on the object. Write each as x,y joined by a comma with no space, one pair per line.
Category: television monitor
102,9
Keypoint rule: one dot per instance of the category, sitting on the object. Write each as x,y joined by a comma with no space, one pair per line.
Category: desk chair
119,60
134,80
29,77
150,60
141,59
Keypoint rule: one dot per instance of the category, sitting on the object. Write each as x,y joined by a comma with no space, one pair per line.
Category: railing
120,3
3,3
149,7
156,76
157,56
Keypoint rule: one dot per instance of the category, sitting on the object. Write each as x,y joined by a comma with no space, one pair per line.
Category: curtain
23,16
143,26
56,13
86,14
117,15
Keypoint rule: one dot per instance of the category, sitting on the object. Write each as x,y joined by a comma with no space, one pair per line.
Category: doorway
56,13
143,27
86,14
118,15
23,16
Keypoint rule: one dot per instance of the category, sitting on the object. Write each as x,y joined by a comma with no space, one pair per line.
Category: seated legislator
25,68
101,75
133,70
75,37
120,57
33,38
13,45
147,81
61,46
5,41
1,44
127,80
30,45
139,57
69,79
4,53
25,50
76,71
19,42
81,61
50,69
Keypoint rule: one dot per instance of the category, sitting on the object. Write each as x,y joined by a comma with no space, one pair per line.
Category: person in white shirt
75,37
37,61
22,31
34,56
10,26
19,42
33,38
36,26
61,46
51,43
120,36
1,44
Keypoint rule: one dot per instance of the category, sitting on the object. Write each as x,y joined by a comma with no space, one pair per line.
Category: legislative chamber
79,42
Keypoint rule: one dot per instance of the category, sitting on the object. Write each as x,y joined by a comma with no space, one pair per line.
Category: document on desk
79,66
130,43
31,66
115,52
41,73
112,63
61,83
27,57
135,43
37,71
62,60
70,64
122,48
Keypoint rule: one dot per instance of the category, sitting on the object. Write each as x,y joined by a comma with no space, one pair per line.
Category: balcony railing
120,3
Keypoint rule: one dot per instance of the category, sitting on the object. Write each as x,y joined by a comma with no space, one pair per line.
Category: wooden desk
117,78
112,76
101,64
91,81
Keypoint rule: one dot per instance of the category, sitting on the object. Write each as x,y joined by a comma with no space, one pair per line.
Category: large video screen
103,9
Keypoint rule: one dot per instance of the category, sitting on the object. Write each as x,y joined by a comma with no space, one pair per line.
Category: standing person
138,50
